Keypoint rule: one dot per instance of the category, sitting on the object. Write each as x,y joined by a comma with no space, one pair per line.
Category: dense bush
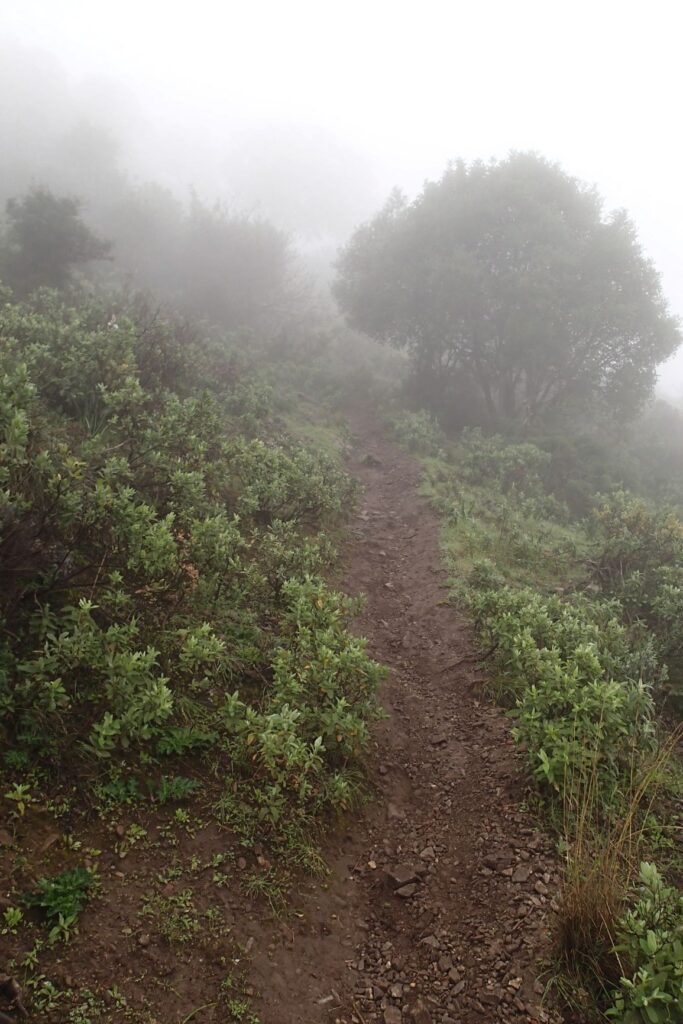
291,754
160,569
493,459
581,685
496,507
580,668
418,432
640,560
582,466
651,949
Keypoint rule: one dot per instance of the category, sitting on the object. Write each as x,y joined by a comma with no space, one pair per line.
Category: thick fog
309,113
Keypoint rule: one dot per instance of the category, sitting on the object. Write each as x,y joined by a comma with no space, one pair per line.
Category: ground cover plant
168,636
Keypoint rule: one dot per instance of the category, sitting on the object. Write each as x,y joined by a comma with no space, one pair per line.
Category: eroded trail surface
441,891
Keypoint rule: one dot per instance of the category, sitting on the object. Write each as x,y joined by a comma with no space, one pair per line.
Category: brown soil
463,938
438,901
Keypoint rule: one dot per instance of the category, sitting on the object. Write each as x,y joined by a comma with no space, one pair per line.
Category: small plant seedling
175,788
21,796
62,898
12,918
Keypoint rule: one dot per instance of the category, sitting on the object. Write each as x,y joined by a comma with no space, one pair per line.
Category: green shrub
640,561
650,947
579,705
494,460
160,549
300,746
419,432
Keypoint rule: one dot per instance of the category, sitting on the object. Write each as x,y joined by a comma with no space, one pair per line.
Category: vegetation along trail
441,892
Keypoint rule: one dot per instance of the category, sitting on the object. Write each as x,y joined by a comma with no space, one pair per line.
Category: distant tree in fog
45,241
206,260
507,281
232,268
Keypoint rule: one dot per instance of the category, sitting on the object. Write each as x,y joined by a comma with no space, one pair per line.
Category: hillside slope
439,902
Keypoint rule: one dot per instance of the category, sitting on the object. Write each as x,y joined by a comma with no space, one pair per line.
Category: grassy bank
577,619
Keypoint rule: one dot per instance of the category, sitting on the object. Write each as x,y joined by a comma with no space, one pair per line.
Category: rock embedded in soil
521,873
407,891
400,875
419,1014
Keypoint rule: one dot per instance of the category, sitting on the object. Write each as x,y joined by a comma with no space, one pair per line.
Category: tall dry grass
604,845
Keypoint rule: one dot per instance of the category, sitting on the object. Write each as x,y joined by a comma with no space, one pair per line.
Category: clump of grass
604,847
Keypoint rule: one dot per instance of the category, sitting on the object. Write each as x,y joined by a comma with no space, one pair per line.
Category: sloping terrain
439,902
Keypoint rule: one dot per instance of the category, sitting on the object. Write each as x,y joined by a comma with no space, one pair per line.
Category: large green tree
507,280
46,240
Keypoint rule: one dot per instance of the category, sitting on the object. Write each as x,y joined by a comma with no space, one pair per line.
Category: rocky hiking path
441,891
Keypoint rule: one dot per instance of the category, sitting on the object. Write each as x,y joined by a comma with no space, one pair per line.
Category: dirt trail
438,905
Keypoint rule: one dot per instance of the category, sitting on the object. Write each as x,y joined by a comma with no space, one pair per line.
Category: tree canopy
507,280
46,239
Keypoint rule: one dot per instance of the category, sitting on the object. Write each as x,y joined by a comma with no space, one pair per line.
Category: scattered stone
407,891
428,853
521,873
144,939
419,1014
392,1015
400,875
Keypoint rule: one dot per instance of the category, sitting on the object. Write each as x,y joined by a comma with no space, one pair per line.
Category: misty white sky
395,88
